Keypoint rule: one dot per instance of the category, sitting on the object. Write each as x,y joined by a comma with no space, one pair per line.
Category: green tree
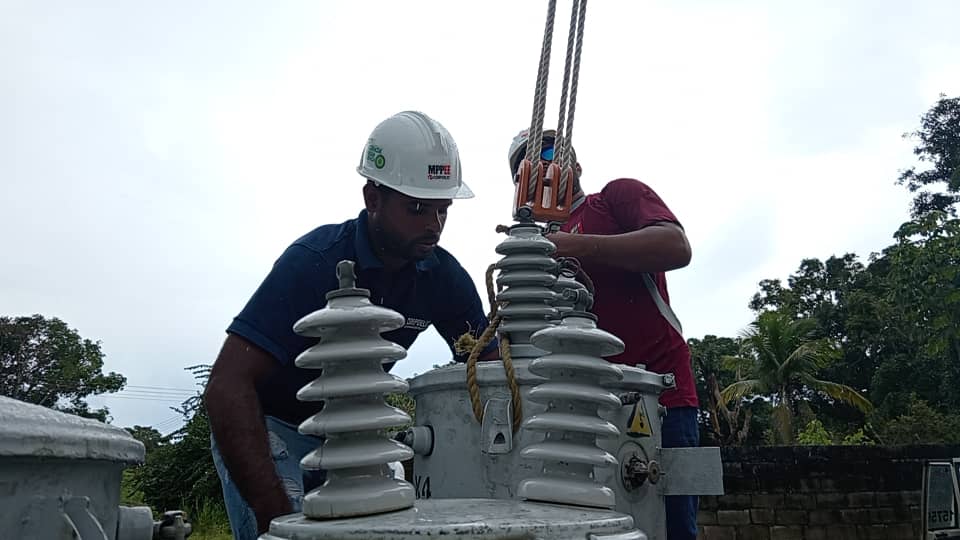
725,426
150,437
814,434
130,494
857,438
816,290
781,359
43,361
917,281
919,342
179,471
895,321
919,423
938,146
831,294
852,311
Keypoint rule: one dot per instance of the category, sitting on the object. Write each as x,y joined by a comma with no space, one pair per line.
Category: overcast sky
157,157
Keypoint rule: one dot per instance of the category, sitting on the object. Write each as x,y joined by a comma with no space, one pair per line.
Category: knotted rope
477,346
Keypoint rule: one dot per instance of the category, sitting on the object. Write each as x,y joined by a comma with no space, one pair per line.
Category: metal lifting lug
522,208
629,398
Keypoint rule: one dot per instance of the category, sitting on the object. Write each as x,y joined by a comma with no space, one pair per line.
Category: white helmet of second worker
415,155
518,148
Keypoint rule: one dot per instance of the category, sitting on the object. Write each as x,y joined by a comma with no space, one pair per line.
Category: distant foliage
814,434
939,147
179,471
892,321
919,423
45,362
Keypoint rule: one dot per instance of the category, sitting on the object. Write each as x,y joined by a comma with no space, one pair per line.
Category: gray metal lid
492,374
476,519
29,430
488,374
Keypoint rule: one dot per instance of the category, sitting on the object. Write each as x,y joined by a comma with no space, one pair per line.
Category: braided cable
574,84
559,147
535,143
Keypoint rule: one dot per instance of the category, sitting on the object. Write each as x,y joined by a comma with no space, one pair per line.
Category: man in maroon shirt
618,235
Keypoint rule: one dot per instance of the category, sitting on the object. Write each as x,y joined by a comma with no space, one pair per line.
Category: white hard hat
415,155
518,147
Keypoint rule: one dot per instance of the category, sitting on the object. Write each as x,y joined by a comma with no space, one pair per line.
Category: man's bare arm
661,247
237,423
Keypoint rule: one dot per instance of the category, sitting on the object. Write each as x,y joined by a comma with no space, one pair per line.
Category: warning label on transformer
639,423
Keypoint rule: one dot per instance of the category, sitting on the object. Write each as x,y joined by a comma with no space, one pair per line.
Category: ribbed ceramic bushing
527,275
355,416
573,395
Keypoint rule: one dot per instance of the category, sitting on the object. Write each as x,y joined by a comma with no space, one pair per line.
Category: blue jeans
287,448
680,430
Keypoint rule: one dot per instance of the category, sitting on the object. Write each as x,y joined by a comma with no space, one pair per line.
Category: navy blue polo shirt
435,290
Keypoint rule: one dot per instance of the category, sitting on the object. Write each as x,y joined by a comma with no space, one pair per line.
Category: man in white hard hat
412,167
626,239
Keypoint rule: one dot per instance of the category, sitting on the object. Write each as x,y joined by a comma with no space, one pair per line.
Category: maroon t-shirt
622,304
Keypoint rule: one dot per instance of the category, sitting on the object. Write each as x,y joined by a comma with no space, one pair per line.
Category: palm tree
780,357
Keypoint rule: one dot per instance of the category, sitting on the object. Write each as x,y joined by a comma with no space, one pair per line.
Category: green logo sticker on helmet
375,155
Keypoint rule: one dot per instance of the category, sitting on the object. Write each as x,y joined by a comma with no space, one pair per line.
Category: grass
209,520
200,535
210,523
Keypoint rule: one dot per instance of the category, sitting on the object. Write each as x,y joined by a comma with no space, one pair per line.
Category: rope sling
536,198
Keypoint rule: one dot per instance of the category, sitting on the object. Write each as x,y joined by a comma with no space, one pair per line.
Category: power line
154,394
160,392
163,425
160,388
169,422
170,399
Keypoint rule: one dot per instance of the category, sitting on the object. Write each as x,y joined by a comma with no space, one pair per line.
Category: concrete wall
819,492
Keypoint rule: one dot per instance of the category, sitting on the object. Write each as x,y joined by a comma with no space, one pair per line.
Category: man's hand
271,508
569,245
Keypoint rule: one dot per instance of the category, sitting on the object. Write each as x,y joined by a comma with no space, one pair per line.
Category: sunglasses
546,155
